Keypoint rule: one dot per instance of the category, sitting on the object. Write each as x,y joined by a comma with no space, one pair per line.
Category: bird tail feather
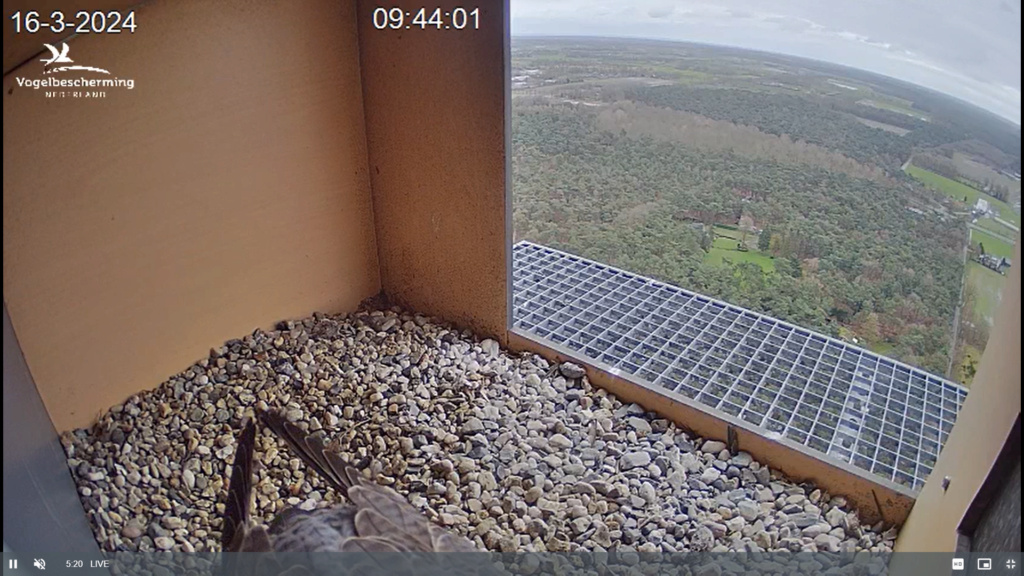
312,450
236,510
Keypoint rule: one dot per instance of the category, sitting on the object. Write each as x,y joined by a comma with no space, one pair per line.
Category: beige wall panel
435,117
981,428
228,190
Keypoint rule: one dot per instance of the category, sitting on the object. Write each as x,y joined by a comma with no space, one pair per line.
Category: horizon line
1011,121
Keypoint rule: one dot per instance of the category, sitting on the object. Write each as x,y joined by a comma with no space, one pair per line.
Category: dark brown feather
236,510
382,516
385,503
310,448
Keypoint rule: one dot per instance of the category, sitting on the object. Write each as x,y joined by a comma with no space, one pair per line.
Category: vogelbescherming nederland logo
59,63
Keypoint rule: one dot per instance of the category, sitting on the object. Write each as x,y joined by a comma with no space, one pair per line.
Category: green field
724,246
958,191
993,245
990,224
894,105
681,75
882,347
987,286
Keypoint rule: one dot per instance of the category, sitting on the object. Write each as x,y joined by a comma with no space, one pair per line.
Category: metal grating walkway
873,412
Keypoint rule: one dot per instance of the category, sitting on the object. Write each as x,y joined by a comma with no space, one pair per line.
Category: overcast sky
966,48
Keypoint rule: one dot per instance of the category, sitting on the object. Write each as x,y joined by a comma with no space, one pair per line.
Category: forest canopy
629,202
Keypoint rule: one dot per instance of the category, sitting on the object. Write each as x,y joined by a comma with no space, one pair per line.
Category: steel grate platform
874,412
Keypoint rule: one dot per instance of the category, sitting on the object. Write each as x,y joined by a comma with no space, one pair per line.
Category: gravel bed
518,454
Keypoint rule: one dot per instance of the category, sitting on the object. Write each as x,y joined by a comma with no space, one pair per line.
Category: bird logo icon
58,57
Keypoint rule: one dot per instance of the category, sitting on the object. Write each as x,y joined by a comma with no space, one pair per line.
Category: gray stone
648,493
571,371
735,524
533,494
560,442
472,426
172,522
702,540
718,529
642,427
815,530
710,475
748,509
742,460
631,460
712,447
690,463
804,519
132,530
530,564
835,517
851,523
827,543
763,475
490,347
601,536
708,570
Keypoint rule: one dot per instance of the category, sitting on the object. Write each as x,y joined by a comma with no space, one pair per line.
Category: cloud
660,12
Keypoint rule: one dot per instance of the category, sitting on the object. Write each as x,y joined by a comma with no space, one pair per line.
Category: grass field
993,245
958,191
724,247
990,224
683,76
980,172
881,347
988,286
894,105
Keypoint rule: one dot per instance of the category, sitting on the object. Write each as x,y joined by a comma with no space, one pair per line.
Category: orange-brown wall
435,117
981,428
228,190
